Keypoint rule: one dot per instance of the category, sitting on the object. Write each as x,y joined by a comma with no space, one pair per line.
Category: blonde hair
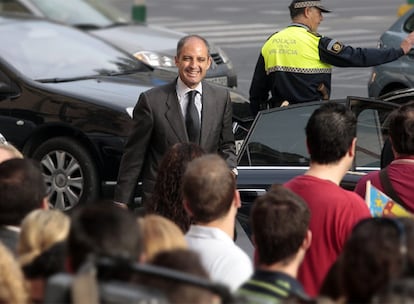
40,230
13,287
160,234
11,150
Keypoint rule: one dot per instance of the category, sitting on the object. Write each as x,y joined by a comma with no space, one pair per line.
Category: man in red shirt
331,140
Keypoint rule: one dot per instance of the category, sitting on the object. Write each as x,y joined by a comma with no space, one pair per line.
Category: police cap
304,3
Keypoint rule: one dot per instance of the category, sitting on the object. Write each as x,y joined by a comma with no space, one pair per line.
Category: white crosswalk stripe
230,35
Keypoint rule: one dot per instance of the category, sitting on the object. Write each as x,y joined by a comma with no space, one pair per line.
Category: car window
81,12
278,138
409,24
372,130
12,6
369,139
60,51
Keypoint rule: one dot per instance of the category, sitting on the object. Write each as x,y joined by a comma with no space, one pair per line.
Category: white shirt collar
182,89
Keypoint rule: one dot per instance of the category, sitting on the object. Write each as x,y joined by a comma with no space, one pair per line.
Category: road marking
230,35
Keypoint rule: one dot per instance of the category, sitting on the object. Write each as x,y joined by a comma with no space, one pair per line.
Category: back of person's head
401,129
40,230
160,234
167,195
8,151
208,188
22,190
329,132
12,284
186,261
378,251
103,229
280,221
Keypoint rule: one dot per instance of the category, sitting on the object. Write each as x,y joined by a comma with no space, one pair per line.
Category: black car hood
134,38
111,91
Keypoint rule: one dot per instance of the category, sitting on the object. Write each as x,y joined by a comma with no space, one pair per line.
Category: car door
274,150
8,92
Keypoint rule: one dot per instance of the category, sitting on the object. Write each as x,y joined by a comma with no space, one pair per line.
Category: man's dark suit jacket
159,124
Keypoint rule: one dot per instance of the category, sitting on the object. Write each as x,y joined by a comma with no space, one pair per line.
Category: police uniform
295,65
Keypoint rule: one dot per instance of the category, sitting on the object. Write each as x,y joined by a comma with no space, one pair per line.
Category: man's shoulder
213,241
307,186
167,87
212,88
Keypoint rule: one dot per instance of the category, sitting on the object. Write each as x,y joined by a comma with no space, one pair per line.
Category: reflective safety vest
295,50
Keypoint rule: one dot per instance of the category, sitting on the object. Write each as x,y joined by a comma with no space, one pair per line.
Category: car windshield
43,50
99,13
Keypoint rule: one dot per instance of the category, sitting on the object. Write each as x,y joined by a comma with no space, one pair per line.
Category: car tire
70,172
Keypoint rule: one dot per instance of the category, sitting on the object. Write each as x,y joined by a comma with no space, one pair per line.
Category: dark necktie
192,120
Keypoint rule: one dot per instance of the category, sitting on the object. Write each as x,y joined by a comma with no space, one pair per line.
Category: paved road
241,26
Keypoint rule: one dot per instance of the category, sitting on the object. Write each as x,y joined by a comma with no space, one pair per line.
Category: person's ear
236,199
306,11
307,147
209,61
352,148
307,241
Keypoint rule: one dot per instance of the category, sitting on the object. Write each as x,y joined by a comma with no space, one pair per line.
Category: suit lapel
174,115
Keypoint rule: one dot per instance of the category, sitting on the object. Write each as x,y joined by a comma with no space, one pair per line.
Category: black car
153,45
66,99
275,151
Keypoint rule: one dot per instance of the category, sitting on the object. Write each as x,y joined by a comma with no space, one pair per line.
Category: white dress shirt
222,258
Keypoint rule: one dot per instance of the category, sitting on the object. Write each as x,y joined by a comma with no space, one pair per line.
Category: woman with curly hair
167,197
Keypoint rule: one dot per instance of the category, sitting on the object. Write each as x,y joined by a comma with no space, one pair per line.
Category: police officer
295,64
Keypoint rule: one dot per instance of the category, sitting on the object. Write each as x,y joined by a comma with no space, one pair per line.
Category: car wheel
70,172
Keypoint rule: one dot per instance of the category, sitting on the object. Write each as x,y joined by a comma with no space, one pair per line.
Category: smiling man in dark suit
162,118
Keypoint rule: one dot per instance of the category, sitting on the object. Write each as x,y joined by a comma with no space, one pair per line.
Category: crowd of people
313,241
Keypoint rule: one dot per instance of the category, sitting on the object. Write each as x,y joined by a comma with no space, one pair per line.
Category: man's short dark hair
184,40
279,220
103,229
22,189
330,132
401,129
208,187
294,12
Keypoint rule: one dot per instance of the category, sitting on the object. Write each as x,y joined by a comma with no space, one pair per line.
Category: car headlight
155,60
